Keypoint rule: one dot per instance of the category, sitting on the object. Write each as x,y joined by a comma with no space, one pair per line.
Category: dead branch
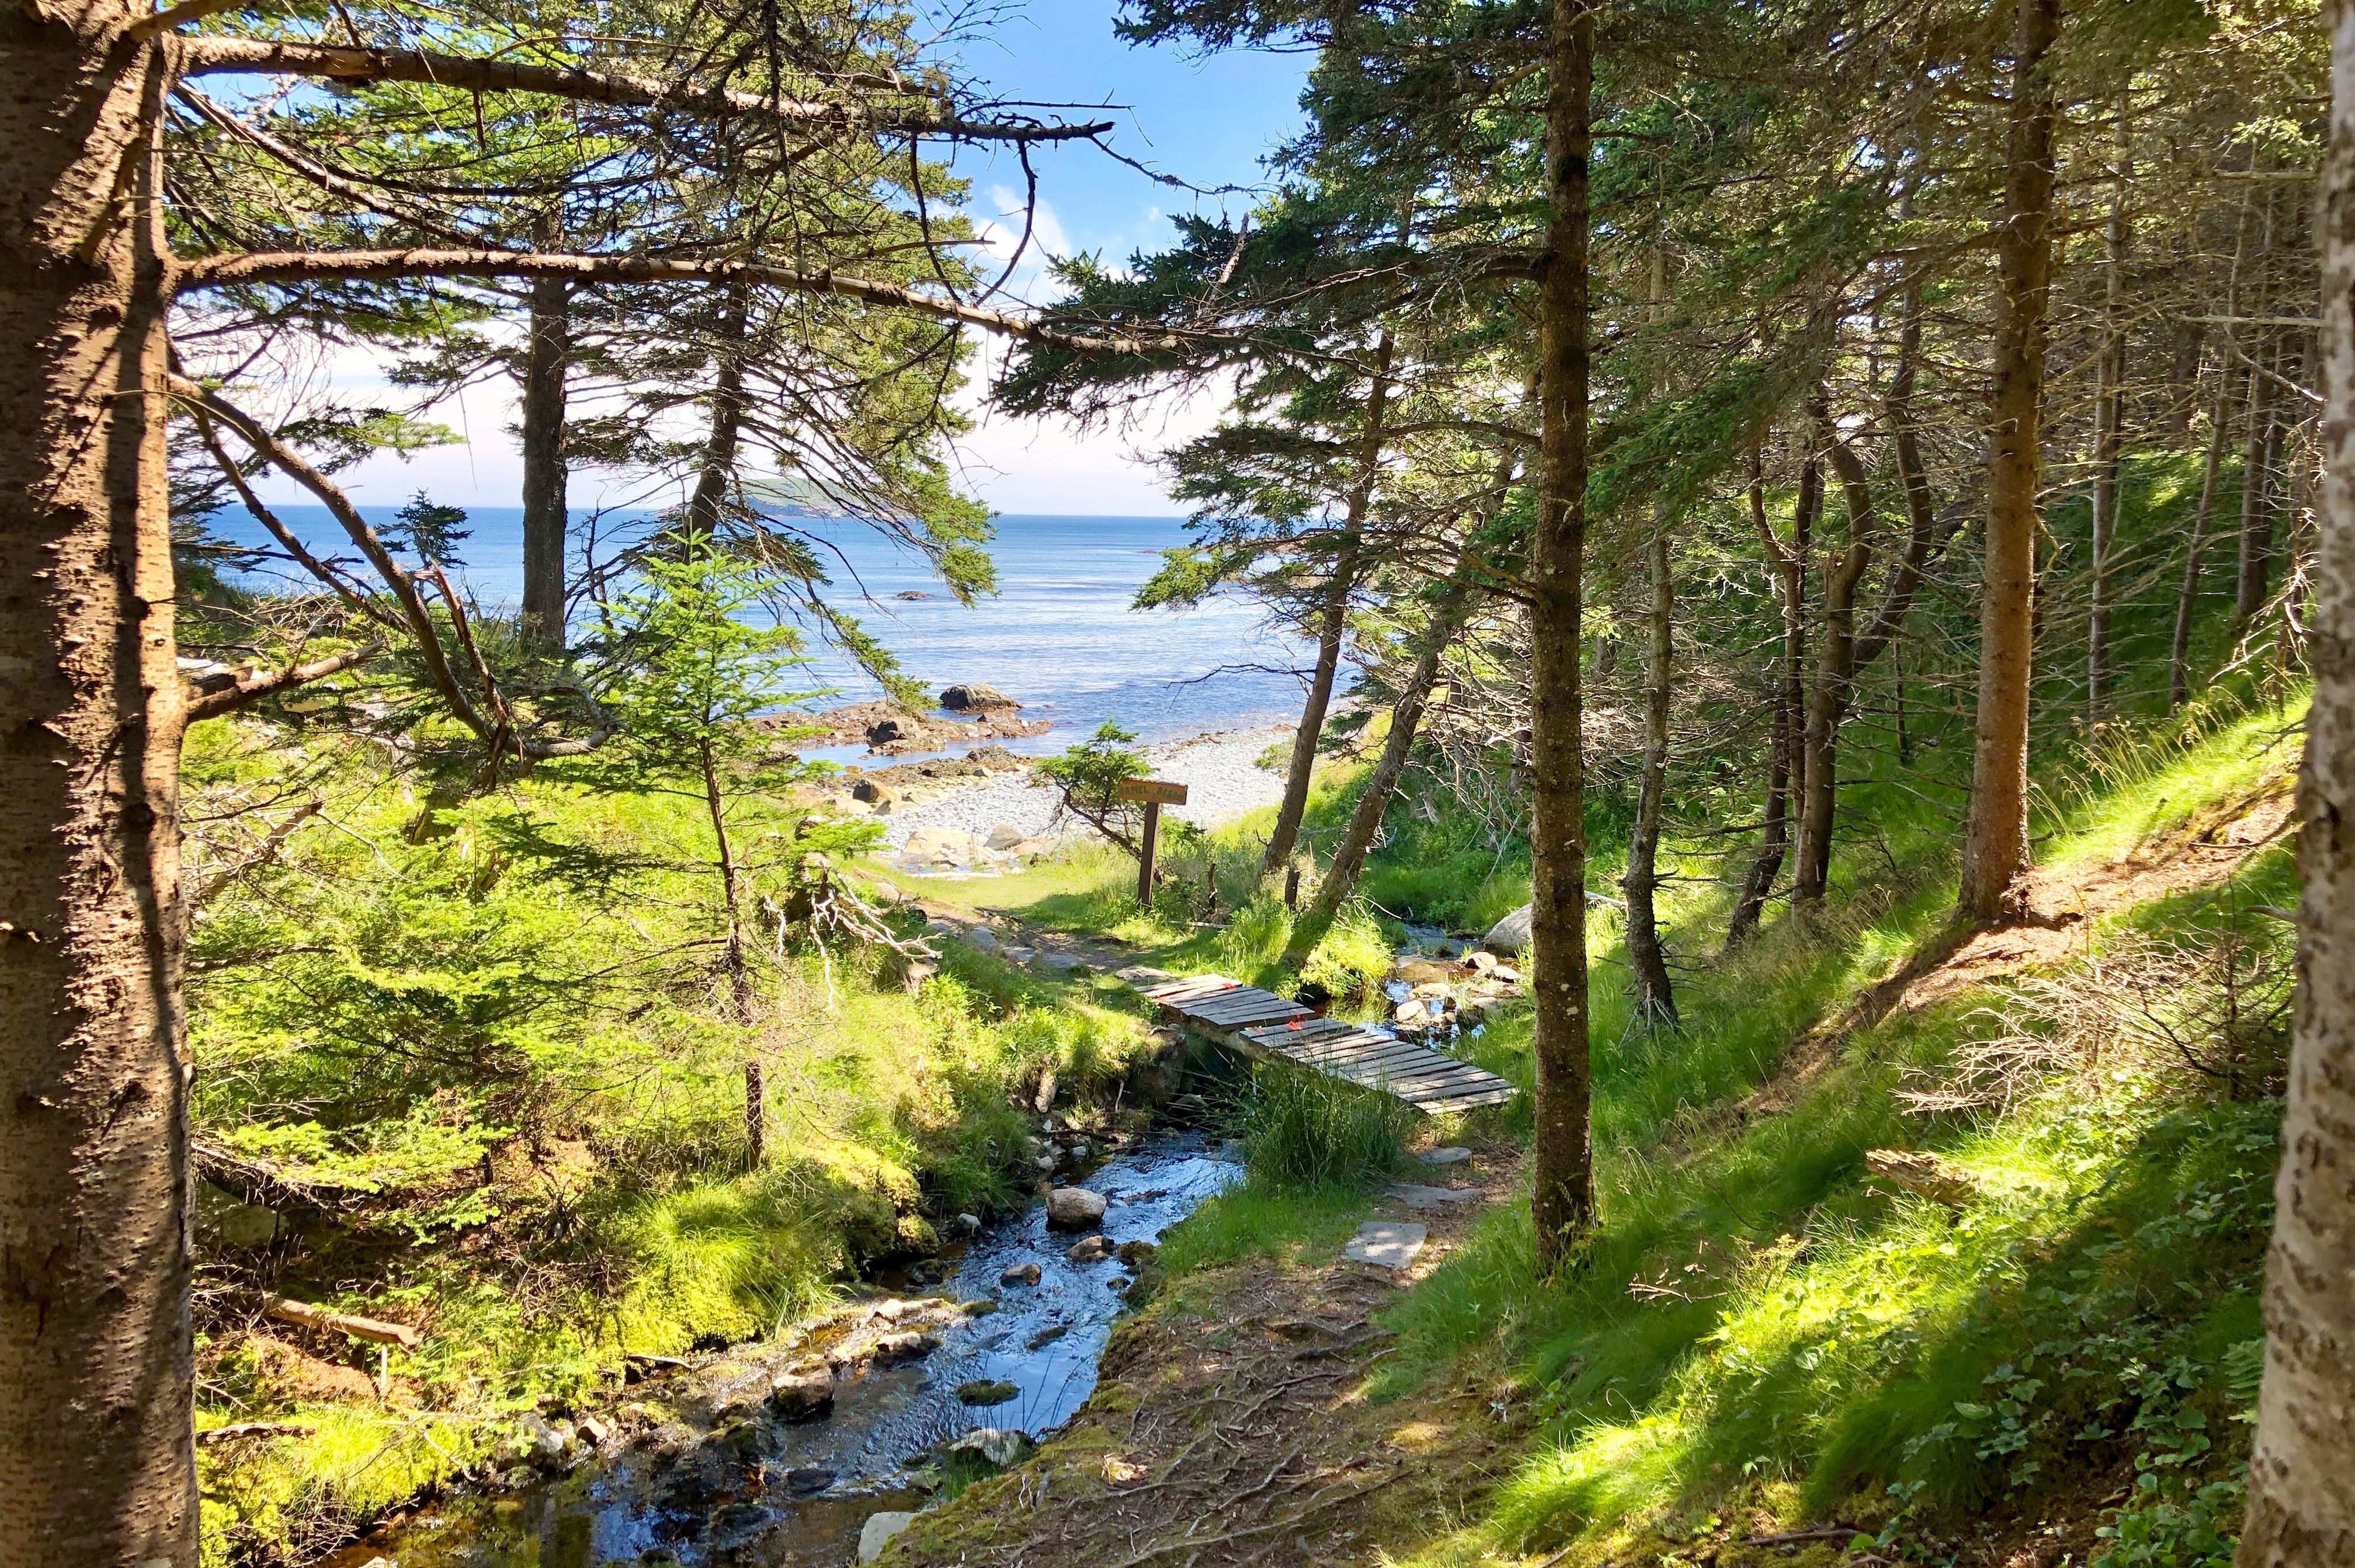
343,266
213,56
208,699
303,1314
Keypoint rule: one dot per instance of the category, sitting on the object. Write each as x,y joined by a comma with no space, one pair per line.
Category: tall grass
1302,1129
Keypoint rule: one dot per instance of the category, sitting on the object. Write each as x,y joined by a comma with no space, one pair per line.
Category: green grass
1753,1319
1306,1129
1261,1218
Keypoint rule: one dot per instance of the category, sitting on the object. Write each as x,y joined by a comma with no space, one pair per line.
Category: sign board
1151,791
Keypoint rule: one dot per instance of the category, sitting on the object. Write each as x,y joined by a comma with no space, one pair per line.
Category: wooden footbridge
1260,1023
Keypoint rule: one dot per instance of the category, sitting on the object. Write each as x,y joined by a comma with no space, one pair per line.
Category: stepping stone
1444,1155
1386,1243
1415,1197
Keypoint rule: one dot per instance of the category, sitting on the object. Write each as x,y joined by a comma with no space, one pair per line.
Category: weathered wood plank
1280,1036
1256,1019
1252,1010
1190,985
1467,1099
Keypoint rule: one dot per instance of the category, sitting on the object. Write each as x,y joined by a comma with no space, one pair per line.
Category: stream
731,1483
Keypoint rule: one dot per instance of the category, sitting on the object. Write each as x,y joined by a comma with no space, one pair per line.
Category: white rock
1450,1156
1066,962
1005,836
999,1444
981,936
1074,1208
1020,955
878,1531
1387,1244
1510,934
1415,1197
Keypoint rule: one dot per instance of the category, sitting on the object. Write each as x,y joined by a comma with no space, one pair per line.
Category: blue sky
1206,119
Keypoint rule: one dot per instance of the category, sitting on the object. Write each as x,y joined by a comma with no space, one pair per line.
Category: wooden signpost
1152,793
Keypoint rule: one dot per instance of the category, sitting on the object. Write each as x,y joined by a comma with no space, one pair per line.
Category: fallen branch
242,1429
208,700
304,1314
1925,1174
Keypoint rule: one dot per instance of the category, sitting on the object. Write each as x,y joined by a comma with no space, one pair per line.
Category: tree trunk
1562,1198
1790,566
1366,819
2256,512
2187,597
1818,768
716,470
97,1456
2302,1472
1655,996
1332,621
544,359
2109,433
2256,469
1995,843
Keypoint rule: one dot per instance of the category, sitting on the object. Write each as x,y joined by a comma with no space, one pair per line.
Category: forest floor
1237,1421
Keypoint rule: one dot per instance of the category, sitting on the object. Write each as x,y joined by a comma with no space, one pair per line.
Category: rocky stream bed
812,1447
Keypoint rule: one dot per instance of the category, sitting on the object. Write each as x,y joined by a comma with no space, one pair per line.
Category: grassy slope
502,1024
1800,1344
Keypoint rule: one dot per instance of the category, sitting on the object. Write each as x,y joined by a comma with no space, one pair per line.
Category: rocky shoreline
983,812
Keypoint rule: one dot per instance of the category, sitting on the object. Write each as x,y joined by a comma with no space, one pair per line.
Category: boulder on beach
974,697
1074,1208
1005,836
874,794
1510,934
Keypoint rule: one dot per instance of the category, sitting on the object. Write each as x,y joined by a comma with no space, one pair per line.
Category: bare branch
329,266
212,702
216,56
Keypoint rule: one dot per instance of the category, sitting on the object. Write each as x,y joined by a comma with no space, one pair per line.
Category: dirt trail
1107,954
2064,904
1231,1427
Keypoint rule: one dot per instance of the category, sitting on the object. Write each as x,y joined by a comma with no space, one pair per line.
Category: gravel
1221,772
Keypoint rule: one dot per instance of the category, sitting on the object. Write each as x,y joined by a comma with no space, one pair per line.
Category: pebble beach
1220,772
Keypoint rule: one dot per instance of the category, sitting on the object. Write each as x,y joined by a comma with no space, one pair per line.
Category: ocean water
1058,636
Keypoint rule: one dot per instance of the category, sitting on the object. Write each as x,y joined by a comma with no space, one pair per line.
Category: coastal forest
1783,994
